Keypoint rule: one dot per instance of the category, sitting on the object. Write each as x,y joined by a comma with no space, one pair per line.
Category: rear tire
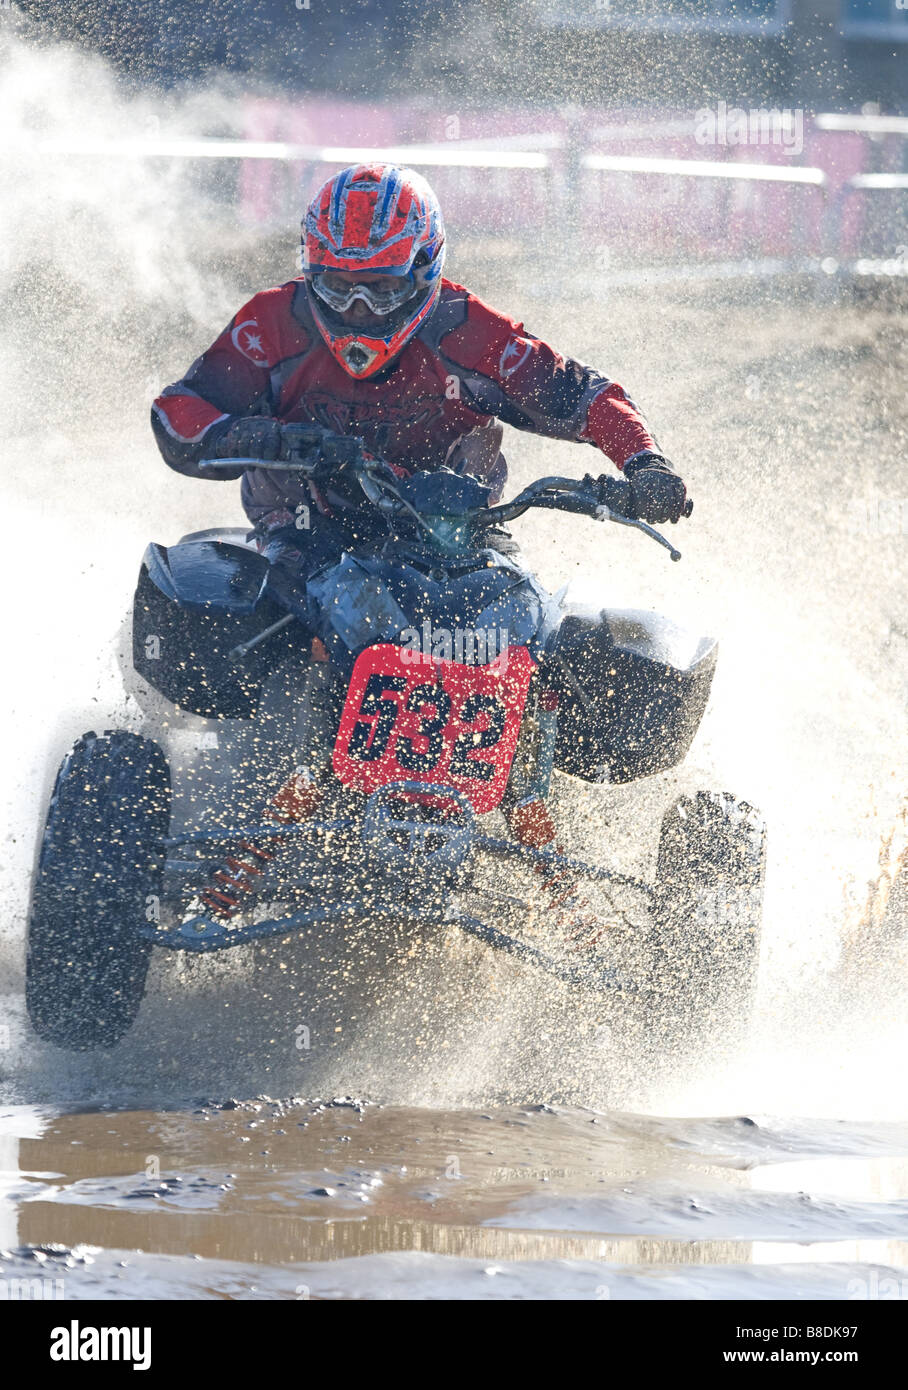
708,913
99,862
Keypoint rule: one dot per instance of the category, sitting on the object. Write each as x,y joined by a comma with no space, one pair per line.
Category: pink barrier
662,215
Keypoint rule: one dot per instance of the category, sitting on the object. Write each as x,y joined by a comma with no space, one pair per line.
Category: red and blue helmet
383,222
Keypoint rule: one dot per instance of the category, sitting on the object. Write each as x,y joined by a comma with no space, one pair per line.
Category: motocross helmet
382,223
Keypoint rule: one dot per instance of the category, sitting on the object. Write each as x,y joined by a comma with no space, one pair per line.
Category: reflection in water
276,1185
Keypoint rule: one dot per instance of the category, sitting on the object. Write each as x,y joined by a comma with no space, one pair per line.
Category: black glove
260,437
249,437
657,494
313,443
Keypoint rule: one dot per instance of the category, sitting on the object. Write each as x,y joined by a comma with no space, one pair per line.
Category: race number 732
433,721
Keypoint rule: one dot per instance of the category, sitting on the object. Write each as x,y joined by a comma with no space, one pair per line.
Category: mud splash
783,411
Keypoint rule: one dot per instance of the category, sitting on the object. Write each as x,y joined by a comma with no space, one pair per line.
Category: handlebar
582,497
568,495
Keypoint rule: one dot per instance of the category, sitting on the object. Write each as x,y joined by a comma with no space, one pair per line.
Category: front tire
100,861
708,912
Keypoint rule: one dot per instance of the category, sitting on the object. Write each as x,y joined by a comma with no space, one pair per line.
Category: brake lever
335,452
307,466
270,465
604,513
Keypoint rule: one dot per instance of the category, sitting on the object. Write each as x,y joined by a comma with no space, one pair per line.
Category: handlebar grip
688,507
232,463
615,493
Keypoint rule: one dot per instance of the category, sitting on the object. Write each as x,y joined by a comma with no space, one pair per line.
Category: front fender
194,603
209,574
633,689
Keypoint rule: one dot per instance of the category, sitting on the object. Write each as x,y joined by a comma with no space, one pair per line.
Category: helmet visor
382,294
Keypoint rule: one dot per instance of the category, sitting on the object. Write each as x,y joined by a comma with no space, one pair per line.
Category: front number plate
409,717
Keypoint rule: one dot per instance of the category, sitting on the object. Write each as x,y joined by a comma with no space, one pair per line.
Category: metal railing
834,229
862,125
547,153
706,169
435,156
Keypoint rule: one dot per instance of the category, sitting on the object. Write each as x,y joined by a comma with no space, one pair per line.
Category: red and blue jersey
438,403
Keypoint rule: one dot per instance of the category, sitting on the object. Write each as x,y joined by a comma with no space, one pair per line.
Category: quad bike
333,750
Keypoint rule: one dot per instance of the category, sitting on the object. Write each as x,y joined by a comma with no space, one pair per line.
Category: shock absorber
529,820
531,824
241,872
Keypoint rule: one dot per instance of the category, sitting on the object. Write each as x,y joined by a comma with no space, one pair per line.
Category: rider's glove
656,493
252,437
259,437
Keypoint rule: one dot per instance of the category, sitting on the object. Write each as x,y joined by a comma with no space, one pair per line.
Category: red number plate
409,718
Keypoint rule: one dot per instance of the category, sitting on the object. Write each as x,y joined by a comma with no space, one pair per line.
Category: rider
371,340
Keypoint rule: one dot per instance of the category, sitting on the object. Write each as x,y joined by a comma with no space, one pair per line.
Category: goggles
381,296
